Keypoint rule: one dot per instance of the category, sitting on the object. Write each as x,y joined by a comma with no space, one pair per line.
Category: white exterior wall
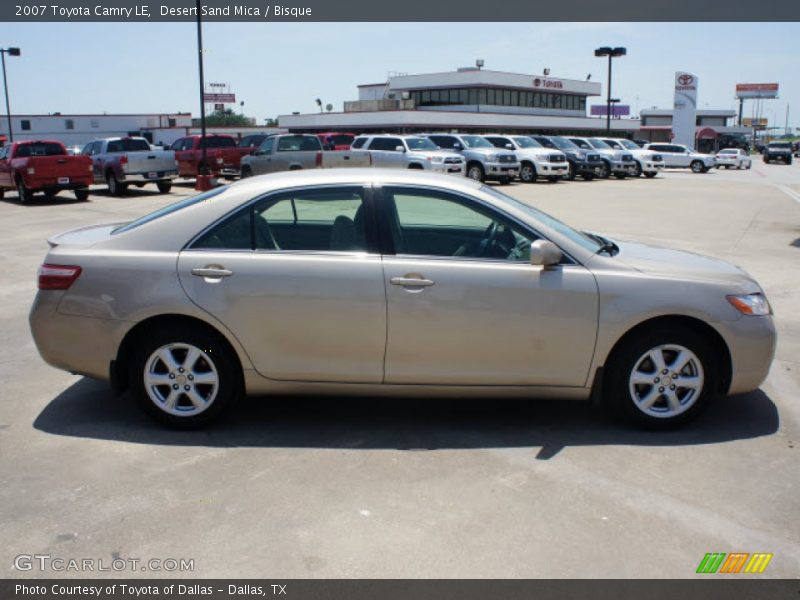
372,92
486,78
89,127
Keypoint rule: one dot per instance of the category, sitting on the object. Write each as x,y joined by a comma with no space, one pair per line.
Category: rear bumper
146,176
51,183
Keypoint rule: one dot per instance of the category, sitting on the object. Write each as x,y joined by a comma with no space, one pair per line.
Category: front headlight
437,159
751,304
492,157
581,155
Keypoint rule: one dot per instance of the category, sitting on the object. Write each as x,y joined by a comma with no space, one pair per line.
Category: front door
466,307
297,278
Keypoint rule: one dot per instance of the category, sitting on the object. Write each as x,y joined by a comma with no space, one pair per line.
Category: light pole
11,52
610,53
203,179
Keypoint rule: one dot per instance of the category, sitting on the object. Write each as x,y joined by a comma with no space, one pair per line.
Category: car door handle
211,272
411,281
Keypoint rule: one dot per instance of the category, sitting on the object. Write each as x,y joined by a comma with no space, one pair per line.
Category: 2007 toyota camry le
395,282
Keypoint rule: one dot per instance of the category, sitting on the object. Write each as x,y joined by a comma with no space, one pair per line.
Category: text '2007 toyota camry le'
390,282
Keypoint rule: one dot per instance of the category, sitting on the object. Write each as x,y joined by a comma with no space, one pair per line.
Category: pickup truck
43,165
224,155
291,152
121,161
535,160
779,151
409,152
483,161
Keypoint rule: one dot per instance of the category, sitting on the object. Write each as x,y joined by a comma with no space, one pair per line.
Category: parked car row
120,162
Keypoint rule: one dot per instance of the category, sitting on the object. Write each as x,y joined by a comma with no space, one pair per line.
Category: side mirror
509,146
545,254
400,148
458,146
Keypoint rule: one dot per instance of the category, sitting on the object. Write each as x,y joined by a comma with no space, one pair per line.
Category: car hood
680,264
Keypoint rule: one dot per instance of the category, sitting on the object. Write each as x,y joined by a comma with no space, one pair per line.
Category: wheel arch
119,366
677,322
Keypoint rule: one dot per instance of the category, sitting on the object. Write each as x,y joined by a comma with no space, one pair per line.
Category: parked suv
410,152
580,162
780,151
483,161
647,163
677,156
534,159
618,163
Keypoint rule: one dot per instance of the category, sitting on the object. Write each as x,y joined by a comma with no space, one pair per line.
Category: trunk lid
145,161
83,236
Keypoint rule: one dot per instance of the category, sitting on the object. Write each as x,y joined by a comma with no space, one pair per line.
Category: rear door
5,168
296,276
667,151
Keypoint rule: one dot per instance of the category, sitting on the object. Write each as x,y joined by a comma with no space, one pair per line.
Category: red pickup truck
43,165
223,152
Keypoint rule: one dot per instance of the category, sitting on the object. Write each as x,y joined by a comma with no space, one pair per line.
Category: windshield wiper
606,245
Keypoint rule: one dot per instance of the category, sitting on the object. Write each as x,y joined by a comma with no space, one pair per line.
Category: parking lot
316,488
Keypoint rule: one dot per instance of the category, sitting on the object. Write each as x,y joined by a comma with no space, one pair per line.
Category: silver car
374,281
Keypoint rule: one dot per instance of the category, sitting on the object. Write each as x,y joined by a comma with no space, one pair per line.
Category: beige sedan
396,282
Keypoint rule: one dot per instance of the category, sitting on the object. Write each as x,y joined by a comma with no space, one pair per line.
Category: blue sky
277,68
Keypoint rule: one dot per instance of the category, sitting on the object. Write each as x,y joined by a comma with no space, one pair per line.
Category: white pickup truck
409,152
534,159
291,152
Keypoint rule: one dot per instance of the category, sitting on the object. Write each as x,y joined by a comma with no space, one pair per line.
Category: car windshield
526,142
599,144
476,141
420,144
171,208
628,144
579,237
564,143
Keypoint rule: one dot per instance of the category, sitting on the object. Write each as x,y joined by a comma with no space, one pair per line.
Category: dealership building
714,129
471,99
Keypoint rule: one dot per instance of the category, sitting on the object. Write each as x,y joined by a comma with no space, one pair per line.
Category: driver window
433,223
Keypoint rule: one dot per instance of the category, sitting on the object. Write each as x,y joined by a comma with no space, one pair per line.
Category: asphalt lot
346,487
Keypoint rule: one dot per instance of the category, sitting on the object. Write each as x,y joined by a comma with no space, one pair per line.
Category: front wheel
527,173
605,171
475,172
505,180
572,172
164,186
184,378
651,174
697,167
662,377
246,172
638,172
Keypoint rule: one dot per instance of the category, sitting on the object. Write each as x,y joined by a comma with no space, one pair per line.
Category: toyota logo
685,79
537,82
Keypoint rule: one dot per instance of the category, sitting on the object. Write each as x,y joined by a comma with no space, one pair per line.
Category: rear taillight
57,277
123,162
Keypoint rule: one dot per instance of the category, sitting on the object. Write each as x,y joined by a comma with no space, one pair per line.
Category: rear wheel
527,173
115,188
82,194
475,172
620,175
25,195
662,377
246,172
184,378
164,186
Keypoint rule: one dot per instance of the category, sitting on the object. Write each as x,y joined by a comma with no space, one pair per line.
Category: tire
697,167
246,172
2,193
415,166
638,172
115,188
504,180
588,176
605,173
214,362
164,186
527,173
572,173
620,175
25,195
475,172
651,174
82,194
552,179
631,378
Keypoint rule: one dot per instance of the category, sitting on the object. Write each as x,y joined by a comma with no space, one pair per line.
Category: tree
228,118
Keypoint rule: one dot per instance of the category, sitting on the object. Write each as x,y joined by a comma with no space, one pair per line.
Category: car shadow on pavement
88,409
42,200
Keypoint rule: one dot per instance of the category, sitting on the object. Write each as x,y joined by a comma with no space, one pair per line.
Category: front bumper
588,167
498,170
650,166
150,176
447,169
626,168
550,169
751,342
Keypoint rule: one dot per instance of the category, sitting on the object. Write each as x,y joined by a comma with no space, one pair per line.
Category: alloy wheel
666,381
180,379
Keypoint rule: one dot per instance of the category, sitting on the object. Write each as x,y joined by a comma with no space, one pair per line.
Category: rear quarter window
167,210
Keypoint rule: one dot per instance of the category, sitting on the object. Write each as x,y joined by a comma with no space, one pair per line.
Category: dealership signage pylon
684,113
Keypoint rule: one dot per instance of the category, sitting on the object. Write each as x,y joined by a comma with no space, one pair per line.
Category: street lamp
610,53
11,52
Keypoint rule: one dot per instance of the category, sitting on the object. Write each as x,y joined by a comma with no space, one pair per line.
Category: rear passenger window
358,143
330,220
